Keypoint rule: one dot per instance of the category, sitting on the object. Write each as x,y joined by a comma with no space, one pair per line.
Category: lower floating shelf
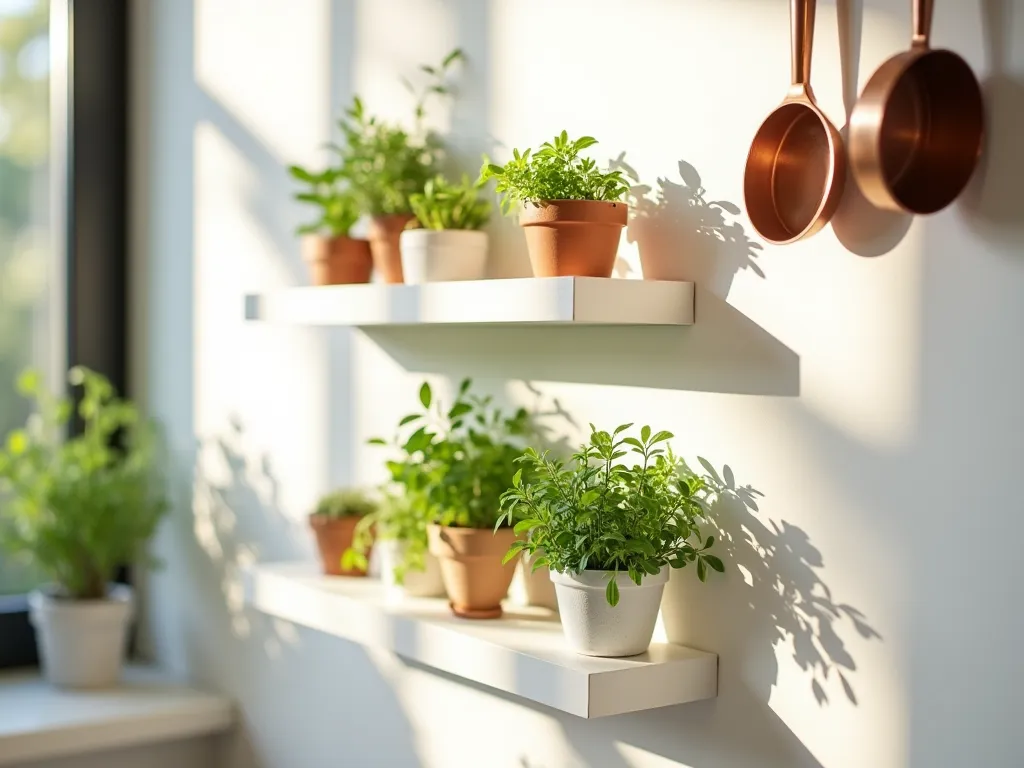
522,654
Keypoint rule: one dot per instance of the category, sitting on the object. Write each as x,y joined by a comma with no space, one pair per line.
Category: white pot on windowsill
592,627
82,643
425,583
439,255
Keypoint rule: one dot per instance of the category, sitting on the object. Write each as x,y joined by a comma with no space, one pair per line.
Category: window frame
89,82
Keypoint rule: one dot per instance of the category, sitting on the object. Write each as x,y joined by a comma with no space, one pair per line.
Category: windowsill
38,721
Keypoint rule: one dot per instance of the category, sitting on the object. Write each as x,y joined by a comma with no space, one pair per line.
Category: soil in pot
337,260
592,627
385,234
432,256
474,577
573,238
333,537
82,642
425,583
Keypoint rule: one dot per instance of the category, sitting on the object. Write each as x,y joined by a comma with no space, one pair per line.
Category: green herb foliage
554,172
80,507
600,513
400,518
444,205
457,461
383,162
338,207
345,502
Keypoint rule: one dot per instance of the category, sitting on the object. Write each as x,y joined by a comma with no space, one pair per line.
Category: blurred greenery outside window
29,334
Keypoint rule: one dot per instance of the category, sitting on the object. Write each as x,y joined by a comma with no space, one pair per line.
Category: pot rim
599,579
43,596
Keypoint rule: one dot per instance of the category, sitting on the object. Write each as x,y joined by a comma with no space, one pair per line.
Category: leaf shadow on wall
237,522
680,236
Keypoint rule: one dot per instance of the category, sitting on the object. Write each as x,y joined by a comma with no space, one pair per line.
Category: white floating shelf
564,300
523,654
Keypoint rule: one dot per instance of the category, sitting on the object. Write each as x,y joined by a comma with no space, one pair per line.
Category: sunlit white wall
867,381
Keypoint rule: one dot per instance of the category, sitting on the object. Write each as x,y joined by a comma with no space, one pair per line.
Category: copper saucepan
916,130
796,167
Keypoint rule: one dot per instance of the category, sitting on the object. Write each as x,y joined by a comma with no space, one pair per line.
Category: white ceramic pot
425,583
82,643
431,256
594,628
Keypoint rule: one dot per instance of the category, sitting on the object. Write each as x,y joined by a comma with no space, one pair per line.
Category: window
63,217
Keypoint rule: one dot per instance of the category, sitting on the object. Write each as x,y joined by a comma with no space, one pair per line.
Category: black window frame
94,220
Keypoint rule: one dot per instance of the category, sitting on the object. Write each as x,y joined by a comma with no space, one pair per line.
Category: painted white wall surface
868,381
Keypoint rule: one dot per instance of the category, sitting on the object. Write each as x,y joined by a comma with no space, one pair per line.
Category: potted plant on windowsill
79,508
385,164
333,257
610,533
334,523
397,531
571,212
450,245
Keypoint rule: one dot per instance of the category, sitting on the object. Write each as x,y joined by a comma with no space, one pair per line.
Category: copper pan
796,167
916,130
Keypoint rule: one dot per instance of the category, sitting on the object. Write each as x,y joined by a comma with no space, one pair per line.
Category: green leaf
583,142
517,478
513,551
715,563
525,525
464,386
663,435
459,409
376,441
408,419
622,428
645,433
702,572
611,592
426,397
455,55
709,542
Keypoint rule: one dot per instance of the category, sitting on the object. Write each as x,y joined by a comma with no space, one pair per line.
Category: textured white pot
425,583
82,642
594,628
431,256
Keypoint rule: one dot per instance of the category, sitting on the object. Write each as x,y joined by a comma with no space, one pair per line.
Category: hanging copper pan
796,167
916,131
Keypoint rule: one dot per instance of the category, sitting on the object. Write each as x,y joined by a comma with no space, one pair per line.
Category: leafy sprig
345,502
554,172
446,205
602,514
339,208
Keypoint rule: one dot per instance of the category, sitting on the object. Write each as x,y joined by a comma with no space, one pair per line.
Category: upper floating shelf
523,654
519,301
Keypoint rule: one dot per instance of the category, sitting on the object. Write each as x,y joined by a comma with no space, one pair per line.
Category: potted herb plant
333,257
450,245
385,164
397,531
572,212
461,459
334,523
610,532
79,508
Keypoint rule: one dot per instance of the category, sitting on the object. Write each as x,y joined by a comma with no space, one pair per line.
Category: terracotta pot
337,260
573,238
333,537
474,577
384,233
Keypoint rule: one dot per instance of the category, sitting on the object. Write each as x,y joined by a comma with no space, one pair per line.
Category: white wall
867,381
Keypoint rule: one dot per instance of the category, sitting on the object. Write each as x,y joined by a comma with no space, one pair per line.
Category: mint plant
345,502
80,507
602,514
338,208
445,205
383,162
554,172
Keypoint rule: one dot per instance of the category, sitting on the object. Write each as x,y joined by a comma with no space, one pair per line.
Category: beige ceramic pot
474,578
337,260
384,234
573,238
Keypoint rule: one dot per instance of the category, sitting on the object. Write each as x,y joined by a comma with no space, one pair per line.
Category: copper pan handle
801,17
922,23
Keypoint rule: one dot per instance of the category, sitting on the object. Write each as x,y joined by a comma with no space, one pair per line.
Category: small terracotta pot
573,238
384,233
337,260
474,577
333,537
